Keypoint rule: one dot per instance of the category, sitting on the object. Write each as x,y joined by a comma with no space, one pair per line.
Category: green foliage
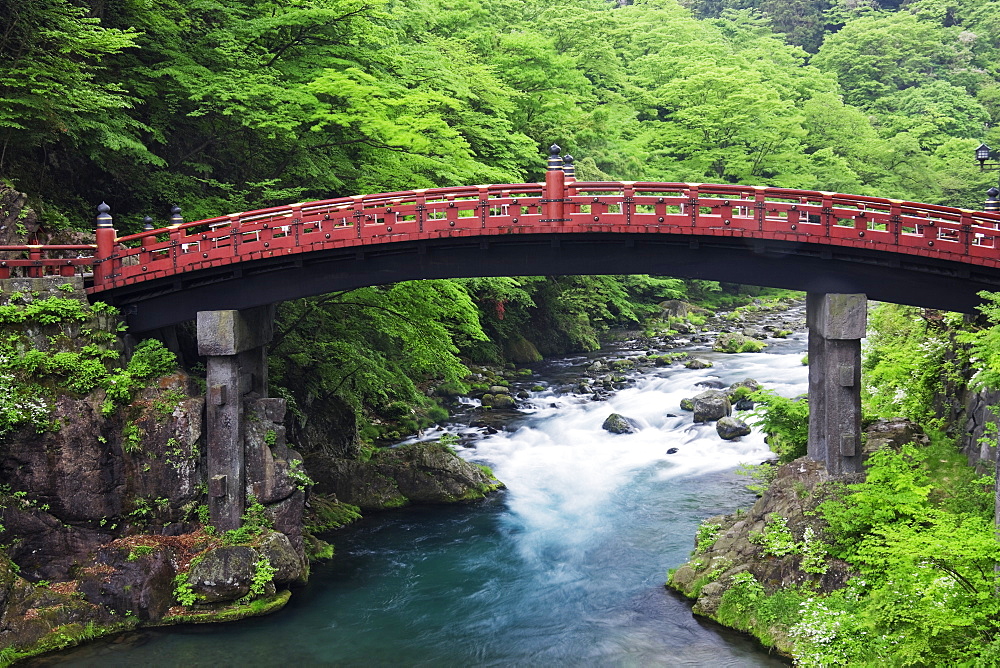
255,523
761,474
299,475
139,551
776,539
31,377
926,591
895,492
785,421
150,359
328,515
375,347
746,606
985,343
132,438
184,590
707,535
814,553
263,574
904,364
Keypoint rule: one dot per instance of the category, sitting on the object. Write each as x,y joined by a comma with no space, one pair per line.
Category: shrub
785,421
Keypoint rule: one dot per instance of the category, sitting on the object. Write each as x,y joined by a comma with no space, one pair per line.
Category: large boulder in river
711,405
698,363
223,574
619,424
394,477
735,342
730,428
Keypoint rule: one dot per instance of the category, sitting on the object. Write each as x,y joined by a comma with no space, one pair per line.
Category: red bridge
891,250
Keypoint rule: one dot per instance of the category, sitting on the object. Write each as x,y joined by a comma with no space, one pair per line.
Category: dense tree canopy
232,105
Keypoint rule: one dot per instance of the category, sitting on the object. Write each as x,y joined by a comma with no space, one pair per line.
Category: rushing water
565,567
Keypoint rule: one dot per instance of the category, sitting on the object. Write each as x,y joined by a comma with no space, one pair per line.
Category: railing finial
103,215
555,162
147,223
175,215
569,169
992,200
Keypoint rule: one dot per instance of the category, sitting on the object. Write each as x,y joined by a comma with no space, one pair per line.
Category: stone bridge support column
837,324
235,343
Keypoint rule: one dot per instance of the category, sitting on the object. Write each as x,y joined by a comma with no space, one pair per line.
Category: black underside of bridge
810,267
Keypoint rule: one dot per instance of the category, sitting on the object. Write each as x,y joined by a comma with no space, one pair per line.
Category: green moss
231,613
64,636
329,514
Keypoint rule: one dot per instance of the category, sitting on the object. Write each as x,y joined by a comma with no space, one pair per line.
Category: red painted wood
751,212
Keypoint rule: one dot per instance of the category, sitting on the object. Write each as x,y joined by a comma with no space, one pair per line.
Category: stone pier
837,323
235,343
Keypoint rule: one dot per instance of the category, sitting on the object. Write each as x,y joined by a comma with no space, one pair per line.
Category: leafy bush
785,421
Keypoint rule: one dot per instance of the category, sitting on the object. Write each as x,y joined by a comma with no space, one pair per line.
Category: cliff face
102,501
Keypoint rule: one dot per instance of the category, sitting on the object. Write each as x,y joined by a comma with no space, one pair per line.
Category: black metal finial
103,215
568,168
175,215
147,223
992,202
555,162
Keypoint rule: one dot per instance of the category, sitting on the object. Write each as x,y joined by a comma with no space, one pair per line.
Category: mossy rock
231,613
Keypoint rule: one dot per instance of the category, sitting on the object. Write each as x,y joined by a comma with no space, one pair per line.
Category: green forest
220,106
228,106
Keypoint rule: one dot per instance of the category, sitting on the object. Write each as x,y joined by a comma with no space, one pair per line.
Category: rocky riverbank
103,516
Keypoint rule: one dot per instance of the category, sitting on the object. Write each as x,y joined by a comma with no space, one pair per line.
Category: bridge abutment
837,323
235,343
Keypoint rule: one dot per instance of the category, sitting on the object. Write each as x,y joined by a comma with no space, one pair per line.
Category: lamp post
993,194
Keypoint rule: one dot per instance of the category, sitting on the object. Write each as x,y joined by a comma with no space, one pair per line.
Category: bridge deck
943,254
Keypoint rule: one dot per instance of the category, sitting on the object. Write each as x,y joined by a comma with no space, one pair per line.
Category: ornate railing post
569,169
555,187
106,237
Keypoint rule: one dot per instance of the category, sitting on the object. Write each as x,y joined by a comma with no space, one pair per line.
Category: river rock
730,428
619,424
687,404
503,401
798,488
698,363
224,573
499,389
734,342
749,383
289,564
425,473
711,405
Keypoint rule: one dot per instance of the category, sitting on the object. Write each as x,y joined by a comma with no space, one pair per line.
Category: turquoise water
565,568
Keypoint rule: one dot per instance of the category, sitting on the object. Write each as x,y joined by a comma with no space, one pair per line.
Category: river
564,568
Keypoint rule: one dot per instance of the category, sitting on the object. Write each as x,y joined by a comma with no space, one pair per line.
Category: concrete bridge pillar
235,343
837,323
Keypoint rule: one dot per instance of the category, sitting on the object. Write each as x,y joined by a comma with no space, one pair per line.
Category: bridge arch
904,252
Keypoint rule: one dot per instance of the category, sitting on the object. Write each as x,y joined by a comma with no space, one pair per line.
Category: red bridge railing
556,206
